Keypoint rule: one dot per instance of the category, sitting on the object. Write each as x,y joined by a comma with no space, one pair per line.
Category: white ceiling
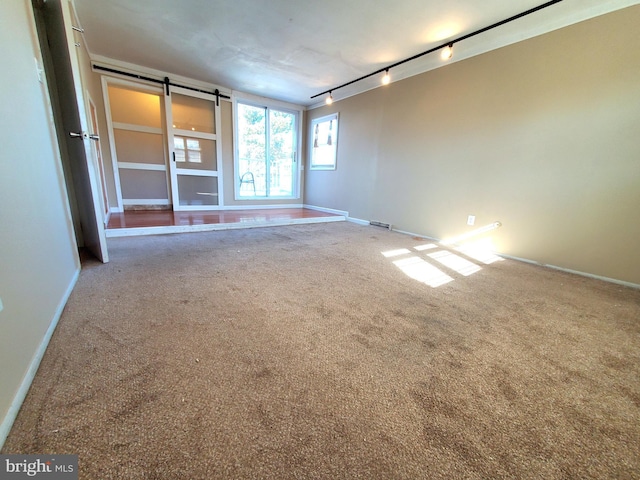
292,49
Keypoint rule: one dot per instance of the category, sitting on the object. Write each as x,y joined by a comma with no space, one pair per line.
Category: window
266,151
324,142
192,152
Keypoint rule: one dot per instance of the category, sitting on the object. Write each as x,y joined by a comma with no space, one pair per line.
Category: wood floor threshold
207,227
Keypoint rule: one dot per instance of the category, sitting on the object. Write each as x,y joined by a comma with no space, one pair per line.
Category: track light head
386,78
447,52
329,99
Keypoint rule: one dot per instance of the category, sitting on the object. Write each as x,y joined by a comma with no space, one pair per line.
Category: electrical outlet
471,220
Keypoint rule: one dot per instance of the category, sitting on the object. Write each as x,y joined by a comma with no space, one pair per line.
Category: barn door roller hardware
166,82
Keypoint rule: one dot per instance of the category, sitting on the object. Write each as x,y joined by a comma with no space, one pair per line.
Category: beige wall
542,136
38,258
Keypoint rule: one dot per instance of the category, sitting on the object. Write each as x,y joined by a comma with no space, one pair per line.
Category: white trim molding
131,232
146,201
142,166
358,221
327,210
262,207
137,128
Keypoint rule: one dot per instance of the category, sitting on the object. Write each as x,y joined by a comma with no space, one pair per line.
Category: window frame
333,117
268,105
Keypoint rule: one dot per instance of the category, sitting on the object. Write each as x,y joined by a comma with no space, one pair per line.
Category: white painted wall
38,255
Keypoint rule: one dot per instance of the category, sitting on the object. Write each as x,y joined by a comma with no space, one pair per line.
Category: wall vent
375,223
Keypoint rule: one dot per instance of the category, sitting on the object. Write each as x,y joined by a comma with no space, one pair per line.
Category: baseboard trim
260,207
14,408
107,217
145,202
358,221
426,237
574,272
596,277
327,210
534,262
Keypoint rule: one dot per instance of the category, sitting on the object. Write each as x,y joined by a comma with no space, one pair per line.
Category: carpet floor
318,351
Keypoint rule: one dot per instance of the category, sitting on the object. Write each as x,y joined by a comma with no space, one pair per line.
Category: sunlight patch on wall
422,271
480,251
472,233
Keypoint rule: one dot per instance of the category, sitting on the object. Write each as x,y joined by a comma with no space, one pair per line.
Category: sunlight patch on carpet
432,262
395,253
422,271
455,262
426,246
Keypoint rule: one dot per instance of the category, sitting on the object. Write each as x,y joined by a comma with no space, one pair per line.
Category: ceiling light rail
166,82
448,45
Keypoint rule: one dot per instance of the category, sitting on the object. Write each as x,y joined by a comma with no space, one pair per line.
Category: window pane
143,184
194,156
197,190
324,139
139,147
199,154
180,156
265,169
137,108
192,113
252,134
281,151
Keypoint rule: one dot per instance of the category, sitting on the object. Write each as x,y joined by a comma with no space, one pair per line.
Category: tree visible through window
266,151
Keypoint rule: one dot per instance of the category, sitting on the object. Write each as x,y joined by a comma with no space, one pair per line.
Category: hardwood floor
167,221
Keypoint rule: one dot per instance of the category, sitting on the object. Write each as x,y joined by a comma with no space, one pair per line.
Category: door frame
98,245
97,156
174,171
269,104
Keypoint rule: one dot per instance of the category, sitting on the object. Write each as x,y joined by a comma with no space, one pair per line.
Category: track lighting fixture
329,99
386,78
446,49
447,52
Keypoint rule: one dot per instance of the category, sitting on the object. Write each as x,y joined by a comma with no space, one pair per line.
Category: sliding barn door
193,126
138,144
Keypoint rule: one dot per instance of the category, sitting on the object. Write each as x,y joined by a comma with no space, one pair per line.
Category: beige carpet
303,352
